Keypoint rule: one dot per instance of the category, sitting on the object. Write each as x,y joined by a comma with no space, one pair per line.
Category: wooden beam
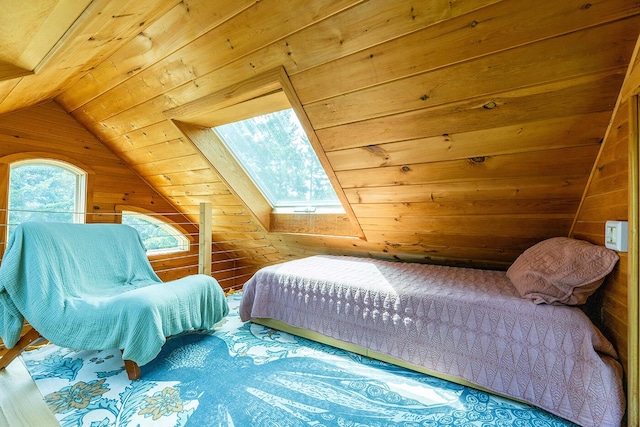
633,291
9,71
260,85
204,241
230,171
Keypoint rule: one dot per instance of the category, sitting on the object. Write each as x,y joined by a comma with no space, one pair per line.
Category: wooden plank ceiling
460,131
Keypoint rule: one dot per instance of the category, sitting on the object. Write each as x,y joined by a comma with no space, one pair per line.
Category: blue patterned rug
248,375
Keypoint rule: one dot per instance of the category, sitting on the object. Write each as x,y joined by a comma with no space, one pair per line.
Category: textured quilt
90,286
465,323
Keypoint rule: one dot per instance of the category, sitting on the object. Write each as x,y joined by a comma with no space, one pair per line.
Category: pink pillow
561,270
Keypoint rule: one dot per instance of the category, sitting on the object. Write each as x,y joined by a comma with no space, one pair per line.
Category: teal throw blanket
91,286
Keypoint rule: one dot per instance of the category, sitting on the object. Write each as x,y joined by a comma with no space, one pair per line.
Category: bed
466,325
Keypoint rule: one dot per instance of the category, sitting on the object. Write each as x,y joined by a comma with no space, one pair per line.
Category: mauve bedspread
467,323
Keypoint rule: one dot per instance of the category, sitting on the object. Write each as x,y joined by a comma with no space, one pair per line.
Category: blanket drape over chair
91,286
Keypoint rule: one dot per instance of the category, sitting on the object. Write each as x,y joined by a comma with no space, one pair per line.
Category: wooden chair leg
25,341
133,370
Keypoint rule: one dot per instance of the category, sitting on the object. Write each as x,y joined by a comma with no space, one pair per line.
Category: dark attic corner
392,172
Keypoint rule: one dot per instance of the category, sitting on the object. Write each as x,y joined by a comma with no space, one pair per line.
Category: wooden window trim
267,91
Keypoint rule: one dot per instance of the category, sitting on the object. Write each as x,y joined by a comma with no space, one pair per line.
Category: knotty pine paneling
185,22
547,101
547,134
543,205
104,27
440,119
264,23
481,77
478,33
423,109
563,162
529,94
47,130
606,198
492,190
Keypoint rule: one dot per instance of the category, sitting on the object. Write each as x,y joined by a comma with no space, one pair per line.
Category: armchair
91,286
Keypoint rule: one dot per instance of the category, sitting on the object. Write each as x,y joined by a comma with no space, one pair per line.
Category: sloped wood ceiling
460,131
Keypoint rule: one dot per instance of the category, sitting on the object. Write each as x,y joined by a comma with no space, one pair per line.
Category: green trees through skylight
275,151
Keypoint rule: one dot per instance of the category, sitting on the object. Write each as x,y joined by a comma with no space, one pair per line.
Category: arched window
158,236
46,190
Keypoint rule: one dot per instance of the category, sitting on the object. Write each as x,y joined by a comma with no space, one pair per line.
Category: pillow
561,270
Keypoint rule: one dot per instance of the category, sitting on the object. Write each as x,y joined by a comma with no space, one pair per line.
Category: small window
276,153
45,190
157,236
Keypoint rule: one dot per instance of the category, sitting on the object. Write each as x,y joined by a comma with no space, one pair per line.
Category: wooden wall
458,133
47,131
609,196
607,199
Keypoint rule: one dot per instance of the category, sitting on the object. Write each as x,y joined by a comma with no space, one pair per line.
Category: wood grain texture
21,403
47,131
612,194
459,132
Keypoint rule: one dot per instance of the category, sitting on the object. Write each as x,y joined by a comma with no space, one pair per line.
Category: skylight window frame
259,94
262,181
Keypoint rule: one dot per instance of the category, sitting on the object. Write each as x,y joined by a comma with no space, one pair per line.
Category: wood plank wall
461,132
607,197
46,130
458,133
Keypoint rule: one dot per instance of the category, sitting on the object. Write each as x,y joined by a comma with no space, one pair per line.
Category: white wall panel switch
616,235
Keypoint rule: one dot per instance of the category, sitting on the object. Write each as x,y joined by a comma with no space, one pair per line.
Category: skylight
276,153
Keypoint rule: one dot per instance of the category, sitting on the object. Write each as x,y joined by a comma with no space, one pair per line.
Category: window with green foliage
257,137
45,190
275,152
157,236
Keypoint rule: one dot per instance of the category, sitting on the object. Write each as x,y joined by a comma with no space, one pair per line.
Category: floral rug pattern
242,374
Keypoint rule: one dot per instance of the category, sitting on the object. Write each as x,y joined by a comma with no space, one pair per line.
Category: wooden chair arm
25,341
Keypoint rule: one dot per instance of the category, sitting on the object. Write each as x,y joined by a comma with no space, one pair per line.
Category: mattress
462,323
